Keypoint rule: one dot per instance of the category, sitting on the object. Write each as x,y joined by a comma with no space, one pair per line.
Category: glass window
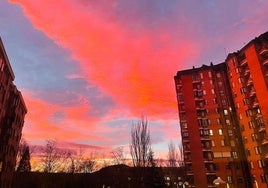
210,132
220,132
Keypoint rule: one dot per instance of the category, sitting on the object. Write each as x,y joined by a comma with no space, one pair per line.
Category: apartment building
12,113
248,76
223,111
208,127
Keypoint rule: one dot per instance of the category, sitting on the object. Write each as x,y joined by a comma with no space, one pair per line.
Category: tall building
248,76
12,113
223,112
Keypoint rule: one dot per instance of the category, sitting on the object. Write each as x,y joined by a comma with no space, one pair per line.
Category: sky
90,69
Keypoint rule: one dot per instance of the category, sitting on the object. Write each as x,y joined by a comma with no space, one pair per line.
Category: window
251,164
218,75
257,150
240,80
210,132
223,101
211,82
204,92
184,125
2,65
212,91
212,143
264,178
229,179
230,132
243,90
222,143
209,74
225,112
261,163
248,152
195,77
180,97
227,121
254,137
220,84
220,132
234,154
201,75
218,121
232,142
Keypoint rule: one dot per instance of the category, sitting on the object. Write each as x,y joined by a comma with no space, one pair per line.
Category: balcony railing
243,62
265,62
262,129
264,50
264,141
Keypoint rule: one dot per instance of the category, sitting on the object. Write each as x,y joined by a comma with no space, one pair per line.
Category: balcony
252,93
243,62
246,73
200,108
196,81
264,51
264,141
250,82
265,62
262,129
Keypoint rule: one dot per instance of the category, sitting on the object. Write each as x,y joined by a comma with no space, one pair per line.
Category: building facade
223,112
12,113
248,76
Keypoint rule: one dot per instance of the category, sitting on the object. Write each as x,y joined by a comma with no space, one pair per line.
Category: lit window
210,132
234,154
222,143
227,121
225,112
209,74
220,132
218,75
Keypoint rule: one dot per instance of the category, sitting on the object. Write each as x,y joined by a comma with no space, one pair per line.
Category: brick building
223,111
12,113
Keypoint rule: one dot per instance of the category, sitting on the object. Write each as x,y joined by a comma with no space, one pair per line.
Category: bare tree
52,157
118,155
84,165
140,143
87,166
172,155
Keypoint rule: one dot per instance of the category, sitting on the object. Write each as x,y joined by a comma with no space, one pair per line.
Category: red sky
89,69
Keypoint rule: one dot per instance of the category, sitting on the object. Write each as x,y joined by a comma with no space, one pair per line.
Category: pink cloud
136,69
74,125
